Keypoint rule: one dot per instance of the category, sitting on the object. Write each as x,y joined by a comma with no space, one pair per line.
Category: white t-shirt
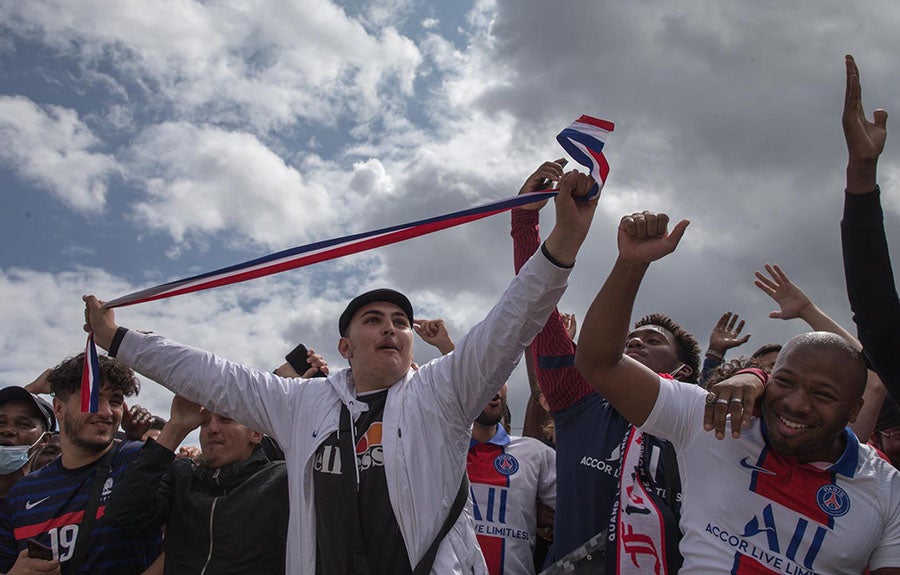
508,476
748,510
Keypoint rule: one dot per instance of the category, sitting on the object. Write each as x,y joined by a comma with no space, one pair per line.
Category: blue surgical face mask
13,457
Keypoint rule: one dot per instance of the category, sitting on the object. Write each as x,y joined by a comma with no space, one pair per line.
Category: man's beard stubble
71,429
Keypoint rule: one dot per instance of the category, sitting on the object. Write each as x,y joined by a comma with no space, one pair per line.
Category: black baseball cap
383,294
20,394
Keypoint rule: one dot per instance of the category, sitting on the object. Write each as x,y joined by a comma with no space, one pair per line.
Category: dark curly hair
729,368
65,379
768,348
686,345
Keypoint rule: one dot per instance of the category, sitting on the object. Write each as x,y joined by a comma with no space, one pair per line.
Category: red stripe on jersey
493,549
72,518
792,485
480,465
744,565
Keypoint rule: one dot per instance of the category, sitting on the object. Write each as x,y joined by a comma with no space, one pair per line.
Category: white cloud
205,180
267,64
50,146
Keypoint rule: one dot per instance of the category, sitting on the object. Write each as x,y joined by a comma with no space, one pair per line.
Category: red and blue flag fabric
584,140
90,378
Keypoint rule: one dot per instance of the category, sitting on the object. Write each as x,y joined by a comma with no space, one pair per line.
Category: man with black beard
48,506
509,475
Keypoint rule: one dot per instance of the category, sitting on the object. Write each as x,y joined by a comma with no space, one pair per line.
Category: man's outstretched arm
867,264
552,353
628,385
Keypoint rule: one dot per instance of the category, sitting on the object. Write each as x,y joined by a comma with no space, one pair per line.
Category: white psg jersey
508,476
747,509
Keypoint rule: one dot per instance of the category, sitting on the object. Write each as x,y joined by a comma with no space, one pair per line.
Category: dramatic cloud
51,147
271,65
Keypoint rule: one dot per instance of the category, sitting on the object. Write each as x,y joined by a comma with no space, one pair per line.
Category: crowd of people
641,453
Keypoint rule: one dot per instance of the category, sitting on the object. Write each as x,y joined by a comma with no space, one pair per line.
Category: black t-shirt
385,549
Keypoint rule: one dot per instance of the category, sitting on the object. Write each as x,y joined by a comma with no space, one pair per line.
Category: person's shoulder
872,463
32,483
276,467
126,450
528,445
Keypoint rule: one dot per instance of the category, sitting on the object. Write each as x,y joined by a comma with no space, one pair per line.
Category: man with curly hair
602,461
48,506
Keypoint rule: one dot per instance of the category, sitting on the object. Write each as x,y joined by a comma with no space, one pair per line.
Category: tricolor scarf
641,540
583,139
640,531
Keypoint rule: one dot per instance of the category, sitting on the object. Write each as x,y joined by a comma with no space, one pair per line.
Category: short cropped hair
65,379
685,344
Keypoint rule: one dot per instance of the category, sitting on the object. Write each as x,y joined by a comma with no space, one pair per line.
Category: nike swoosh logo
30,505
745,463
629,509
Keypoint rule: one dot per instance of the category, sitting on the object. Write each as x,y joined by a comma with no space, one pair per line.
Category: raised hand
136,421
865,139
792,301
186,414
99,320
547,173
316,363
434,332
573,217
570,323
40,384
644,237
727,333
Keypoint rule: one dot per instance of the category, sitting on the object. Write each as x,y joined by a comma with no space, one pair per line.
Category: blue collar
501,438
846,463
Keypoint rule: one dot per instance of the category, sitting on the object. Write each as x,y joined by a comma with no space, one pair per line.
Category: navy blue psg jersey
48,506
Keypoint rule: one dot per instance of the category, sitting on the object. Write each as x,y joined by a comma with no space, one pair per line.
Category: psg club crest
506,464
833,500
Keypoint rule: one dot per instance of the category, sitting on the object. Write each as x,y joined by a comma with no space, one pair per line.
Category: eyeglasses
893,435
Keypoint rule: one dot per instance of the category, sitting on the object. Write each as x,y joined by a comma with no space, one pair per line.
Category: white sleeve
467,378
887,553
678,412
257,399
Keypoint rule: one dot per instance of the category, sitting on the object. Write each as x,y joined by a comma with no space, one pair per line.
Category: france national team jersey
508,476
747,509
48,505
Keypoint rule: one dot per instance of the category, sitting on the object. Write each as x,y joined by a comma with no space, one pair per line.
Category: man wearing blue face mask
26,422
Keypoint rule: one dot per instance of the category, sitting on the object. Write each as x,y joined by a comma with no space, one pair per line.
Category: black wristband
553,260
117,341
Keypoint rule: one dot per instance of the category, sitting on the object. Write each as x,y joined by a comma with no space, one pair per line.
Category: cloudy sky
143,142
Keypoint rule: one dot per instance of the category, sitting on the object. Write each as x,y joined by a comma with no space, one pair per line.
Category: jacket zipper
212,514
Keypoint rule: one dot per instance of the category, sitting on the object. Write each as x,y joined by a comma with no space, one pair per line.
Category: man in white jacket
417,441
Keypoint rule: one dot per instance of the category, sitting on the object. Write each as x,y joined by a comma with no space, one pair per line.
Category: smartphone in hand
37,550
298,360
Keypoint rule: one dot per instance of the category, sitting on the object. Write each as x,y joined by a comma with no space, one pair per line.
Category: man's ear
255,437
854,411
59,407
344,348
